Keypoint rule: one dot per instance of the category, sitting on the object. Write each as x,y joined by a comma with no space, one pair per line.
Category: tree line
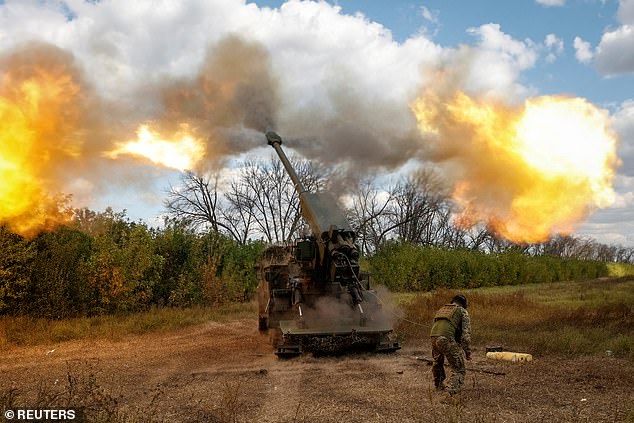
260,202
405,267
103,263
215,229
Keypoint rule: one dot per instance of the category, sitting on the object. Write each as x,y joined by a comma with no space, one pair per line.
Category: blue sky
359,59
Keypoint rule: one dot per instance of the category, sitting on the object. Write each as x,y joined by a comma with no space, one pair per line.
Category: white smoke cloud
341,76
344,84
497,62
124,45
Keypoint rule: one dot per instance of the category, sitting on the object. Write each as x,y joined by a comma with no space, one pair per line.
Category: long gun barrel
275,141
327,223
319,210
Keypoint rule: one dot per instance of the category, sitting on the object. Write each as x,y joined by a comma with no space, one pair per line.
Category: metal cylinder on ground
509,356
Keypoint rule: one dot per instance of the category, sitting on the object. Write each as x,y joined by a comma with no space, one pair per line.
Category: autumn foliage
103,264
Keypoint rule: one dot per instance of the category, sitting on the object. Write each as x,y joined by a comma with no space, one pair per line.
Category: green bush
105,264
405,267
16,260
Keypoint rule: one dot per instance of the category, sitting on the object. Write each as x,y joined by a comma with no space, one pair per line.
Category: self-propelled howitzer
312,295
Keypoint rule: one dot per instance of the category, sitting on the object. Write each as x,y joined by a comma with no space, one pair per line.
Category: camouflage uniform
450,335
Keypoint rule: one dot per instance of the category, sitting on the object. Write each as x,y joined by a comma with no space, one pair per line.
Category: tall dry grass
23,330
590,317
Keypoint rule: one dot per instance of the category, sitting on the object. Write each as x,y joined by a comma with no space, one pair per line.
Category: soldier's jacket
452,321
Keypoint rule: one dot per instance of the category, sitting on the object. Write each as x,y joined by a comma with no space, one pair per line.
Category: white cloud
610,234
615,52
498,62
623,123
623,201
583,50
626,12
615,224
550,3
554,43
554,46
429,15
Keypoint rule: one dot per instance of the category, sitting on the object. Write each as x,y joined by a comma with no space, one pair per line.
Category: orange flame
182,152
527,172
36,133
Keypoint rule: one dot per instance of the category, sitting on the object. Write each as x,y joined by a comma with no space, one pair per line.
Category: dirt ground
227,372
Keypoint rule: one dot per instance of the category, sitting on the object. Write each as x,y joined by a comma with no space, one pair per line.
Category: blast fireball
183,151
37,133
528,172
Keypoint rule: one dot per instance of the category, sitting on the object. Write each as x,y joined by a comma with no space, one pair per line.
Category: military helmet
460,299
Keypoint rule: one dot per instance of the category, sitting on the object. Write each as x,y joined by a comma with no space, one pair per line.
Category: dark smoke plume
354,129
230,102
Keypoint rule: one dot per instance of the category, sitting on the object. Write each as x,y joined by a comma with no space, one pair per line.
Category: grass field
187,367
25,331
578,318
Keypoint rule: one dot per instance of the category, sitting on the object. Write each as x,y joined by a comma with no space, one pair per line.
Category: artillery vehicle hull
312,296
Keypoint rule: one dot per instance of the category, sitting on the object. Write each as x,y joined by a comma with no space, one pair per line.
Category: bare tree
420,210
260,201
197,201
368,214
416,209
560,246
236,213
264,196
625,255
194,200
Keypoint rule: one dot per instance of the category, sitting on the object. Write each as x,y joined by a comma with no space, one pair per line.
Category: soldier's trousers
442,347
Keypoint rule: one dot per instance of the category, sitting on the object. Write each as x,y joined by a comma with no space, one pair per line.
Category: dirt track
226,372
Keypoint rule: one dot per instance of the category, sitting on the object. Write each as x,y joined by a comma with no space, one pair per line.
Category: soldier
450,336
